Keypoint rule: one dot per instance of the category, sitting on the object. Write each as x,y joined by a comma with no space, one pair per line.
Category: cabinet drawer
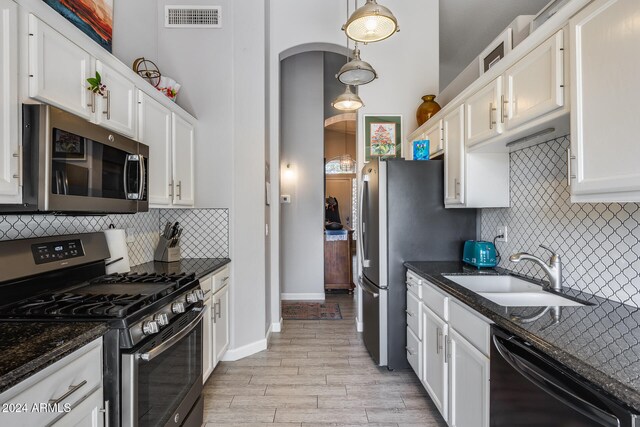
80,371
414,352
207,286
413,314
471,326
221,279
414,284
436,300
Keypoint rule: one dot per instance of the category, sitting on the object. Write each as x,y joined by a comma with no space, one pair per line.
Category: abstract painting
92,17
421,149
382,136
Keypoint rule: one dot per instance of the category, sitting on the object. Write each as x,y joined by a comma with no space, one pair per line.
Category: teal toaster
479,253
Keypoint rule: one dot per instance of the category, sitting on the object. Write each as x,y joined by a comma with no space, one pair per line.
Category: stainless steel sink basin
529,299
484,283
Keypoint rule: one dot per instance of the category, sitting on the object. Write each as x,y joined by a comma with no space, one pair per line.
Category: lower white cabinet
73,382
454,363
220,316
216,324
207,339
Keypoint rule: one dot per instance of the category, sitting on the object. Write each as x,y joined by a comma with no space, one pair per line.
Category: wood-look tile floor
316,373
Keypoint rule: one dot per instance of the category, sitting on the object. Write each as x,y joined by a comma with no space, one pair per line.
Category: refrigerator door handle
366,287
361,231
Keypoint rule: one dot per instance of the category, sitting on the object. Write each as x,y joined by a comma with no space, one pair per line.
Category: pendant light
356,72
348,101
371,23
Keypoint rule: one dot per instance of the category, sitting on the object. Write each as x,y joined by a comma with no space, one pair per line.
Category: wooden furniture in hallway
338,265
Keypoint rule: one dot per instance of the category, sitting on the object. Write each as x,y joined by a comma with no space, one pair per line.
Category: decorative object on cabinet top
427,109
148,70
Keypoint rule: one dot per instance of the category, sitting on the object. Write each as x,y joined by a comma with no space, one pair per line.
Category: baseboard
359,326
276,326
234,354
268,335
301,297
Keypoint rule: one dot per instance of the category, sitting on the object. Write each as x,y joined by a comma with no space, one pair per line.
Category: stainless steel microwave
72,166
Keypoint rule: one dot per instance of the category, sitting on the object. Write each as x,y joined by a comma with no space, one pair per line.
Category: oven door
162,378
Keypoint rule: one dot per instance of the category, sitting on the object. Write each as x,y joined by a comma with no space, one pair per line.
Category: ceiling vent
193,16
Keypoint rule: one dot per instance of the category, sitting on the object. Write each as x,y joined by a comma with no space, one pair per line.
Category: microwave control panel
57,251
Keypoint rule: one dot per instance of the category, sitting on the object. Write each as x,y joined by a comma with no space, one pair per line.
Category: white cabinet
183,133
9,140
434,376
468,383
534,86
453,125
436,139
414,323
67,382
58,70
484,115
221,322
155,131
603,161
116,110
207,338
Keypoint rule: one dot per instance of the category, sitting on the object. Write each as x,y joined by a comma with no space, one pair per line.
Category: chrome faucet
553,269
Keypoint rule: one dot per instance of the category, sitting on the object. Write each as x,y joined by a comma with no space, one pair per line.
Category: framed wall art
92,17
382,136
496,50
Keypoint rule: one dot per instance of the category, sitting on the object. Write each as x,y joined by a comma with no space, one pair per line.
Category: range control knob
192,298
162,319
200,294
177,307
150,327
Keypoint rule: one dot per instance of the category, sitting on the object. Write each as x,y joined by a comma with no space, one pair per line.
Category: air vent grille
193,16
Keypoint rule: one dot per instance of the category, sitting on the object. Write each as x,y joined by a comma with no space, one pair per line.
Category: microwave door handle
551,385
143,172
157,351
126,176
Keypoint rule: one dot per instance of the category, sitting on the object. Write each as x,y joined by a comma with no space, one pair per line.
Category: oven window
164,382
83,167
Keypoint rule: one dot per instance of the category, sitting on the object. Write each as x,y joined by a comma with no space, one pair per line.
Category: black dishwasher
530,389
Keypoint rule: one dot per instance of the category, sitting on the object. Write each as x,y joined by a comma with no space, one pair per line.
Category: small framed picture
382,136
496,50
421,149
68,146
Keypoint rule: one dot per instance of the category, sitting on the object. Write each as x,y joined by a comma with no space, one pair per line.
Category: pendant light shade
348,101
371,23
356,72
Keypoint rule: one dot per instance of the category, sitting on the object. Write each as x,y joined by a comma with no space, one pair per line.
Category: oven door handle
157,351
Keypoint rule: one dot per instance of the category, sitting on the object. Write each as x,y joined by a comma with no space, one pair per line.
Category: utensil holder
165,253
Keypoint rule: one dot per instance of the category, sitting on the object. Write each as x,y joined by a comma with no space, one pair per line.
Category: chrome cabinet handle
504,109
570,176
105,411
411,353
72,389
18,175
219,311
171,191
456,183
409,313
108,110
438,340
92,102
179,186
491,110
215,312
447,349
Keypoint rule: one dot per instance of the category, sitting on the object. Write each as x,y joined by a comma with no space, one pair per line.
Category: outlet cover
502,230
131,235
285,198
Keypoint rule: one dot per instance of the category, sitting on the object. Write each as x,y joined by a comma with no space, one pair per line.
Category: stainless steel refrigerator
402,218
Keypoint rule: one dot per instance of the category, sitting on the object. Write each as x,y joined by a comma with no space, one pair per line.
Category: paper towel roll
117,242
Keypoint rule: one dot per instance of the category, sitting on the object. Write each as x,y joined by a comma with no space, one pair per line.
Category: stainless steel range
152,352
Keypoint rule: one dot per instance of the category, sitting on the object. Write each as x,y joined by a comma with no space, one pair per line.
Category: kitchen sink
529,299
484,283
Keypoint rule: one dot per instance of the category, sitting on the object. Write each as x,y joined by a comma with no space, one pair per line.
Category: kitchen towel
117,242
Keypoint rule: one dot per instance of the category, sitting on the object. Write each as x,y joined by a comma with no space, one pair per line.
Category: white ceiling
468,26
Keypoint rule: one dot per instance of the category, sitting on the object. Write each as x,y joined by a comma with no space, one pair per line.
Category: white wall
407,64
302,147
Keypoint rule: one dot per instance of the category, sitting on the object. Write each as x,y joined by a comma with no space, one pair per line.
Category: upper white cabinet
58,71
603,160
534,86
485,118
155,131
453,125
183,152
435,135
9,141
117,108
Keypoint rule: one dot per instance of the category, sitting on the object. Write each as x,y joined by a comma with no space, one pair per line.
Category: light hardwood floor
316,373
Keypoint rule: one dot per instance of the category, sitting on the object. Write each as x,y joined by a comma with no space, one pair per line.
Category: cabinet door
9,141
58,70
535,85
182,143
207,340
434,365
155,131
453,124
468,383
484,113
221,320
435,137
604,113
87,414
117,110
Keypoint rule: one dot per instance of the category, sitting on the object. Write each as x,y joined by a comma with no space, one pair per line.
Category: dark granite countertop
601,342
28,347
200,266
